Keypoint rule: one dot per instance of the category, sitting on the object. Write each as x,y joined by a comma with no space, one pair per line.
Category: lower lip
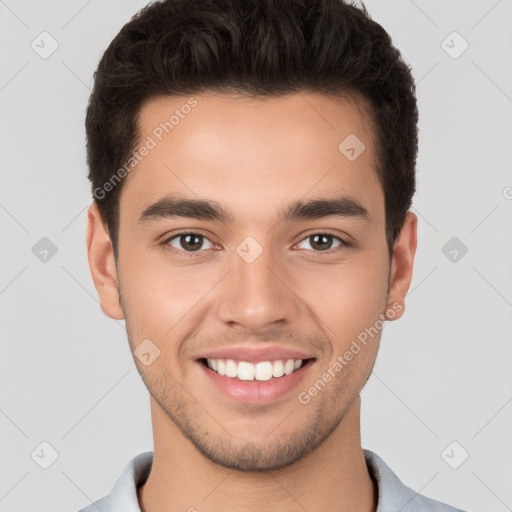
256,391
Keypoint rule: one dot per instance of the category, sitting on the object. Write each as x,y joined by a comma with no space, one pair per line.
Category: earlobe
402,263
102,264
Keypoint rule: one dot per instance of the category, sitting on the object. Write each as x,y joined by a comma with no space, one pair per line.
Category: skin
212,453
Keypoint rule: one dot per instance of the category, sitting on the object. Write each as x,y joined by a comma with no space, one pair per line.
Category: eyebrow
169,207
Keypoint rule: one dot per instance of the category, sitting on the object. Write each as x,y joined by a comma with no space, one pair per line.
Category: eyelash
188,254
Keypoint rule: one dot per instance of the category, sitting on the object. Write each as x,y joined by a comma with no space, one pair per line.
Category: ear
102,264
402,261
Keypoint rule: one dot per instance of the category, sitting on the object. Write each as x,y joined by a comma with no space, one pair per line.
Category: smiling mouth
260,371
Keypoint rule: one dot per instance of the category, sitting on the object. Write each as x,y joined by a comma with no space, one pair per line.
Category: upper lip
256,354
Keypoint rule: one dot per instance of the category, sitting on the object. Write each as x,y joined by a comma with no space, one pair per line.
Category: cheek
348,297
155,286
161,298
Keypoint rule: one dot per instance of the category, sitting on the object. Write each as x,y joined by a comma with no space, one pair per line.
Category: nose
257,295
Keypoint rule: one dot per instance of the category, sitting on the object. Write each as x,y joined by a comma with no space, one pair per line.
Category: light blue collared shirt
393,495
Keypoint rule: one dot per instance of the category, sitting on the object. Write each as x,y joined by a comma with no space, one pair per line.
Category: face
248,237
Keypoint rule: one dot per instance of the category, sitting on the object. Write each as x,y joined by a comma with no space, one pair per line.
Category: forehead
239,151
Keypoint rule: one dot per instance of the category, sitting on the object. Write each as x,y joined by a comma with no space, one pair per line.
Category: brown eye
321,242
188,242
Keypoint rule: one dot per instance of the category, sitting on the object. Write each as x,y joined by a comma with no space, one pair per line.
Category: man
252,166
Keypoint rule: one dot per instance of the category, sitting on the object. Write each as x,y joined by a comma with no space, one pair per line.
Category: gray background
443,371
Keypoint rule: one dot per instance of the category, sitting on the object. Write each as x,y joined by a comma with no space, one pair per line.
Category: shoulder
421,503
394,495
123,496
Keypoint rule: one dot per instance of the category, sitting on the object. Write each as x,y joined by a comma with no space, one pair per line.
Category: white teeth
277,369
245,371
262,371
231,368
289,366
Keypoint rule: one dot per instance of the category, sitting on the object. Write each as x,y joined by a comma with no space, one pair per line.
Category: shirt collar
393,495
123,497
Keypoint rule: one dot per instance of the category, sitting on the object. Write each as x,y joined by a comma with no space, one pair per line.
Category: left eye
323,241
188,242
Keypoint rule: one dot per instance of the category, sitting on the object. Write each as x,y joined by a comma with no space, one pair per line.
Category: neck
332,477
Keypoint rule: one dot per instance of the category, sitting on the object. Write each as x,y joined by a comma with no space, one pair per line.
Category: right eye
186,242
